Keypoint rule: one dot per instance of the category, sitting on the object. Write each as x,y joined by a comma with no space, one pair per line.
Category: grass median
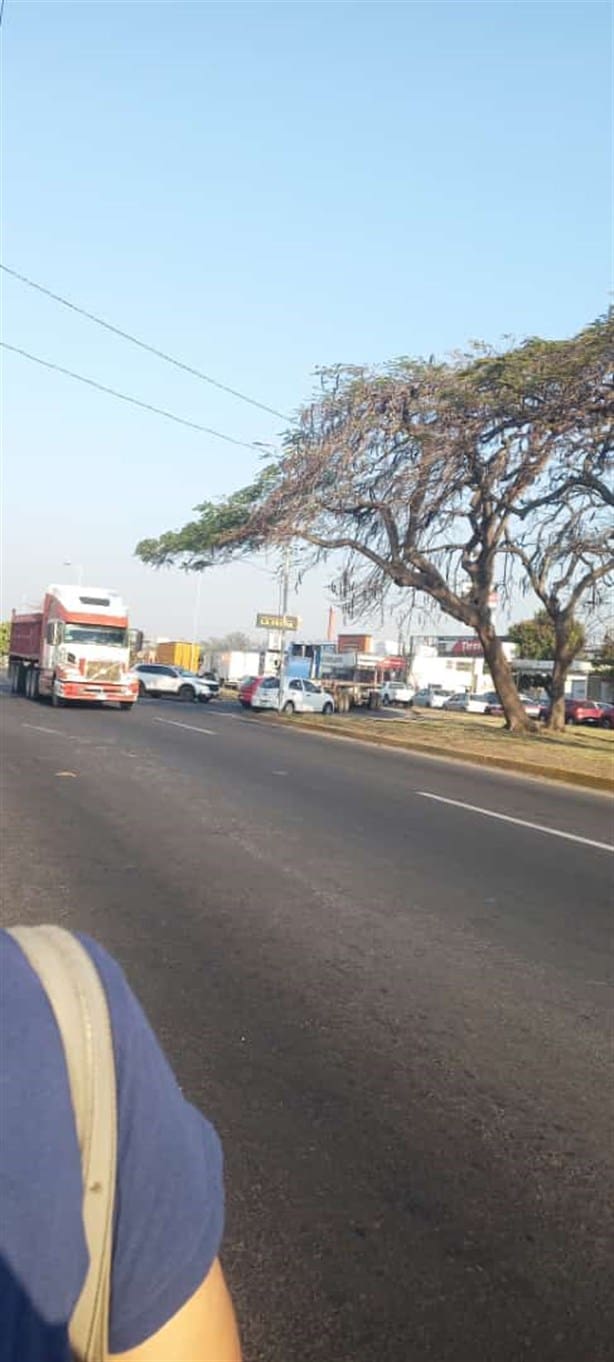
580,756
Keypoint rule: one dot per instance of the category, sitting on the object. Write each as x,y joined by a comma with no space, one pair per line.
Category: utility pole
285,588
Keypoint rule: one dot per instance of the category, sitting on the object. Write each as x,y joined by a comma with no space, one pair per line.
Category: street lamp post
77,567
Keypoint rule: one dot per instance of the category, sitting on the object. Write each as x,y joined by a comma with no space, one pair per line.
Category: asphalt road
397,1010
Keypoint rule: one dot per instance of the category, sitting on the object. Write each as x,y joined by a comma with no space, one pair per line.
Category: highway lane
398,1012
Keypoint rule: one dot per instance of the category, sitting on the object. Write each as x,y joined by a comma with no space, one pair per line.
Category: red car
246,690
578,712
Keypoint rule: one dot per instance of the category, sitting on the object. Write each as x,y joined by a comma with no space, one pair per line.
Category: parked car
396,693
246,689
607,714
299,696
431,697
467,702
531,706
577,712
494,708
156,679
213,682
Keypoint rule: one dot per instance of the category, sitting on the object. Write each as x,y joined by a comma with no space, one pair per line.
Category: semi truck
75,647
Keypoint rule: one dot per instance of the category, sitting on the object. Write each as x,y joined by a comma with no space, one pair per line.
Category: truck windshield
105,635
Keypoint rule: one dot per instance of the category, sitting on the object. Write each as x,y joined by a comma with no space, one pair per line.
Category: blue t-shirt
169,1198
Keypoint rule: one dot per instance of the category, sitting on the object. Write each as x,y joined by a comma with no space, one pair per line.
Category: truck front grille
102,671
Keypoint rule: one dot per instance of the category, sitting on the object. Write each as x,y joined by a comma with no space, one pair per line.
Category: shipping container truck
74,648
231,667
176,653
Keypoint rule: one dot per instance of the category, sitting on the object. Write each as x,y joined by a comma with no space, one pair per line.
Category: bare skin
203,1330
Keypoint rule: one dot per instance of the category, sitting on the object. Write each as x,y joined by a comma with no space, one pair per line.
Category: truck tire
142,689
186,693
32,683
328,707
57,701
18,678
126,705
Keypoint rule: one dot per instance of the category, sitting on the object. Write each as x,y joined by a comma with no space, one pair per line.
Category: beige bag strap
78,1000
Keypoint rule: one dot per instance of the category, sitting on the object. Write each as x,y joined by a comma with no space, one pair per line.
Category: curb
584,780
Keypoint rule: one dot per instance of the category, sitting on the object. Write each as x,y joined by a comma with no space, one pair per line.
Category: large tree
408,476
562,531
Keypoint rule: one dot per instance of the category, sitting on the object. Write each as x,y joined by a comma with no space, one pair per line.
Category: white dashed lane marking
193,728
520,822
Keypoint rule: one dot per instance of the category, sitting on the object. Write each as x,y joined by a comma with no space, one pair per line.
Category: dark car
578,712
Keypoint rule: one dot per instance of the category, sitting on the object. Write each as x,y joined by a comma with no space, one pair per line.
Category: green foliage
536,638
5,631
220,533
604,657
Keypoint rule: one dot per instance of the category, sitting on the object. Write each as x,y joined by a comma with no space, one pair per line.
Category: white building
456,662
453,661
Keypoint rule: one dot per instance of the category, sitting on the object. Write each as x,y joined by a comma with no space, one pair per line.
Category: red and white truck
75,648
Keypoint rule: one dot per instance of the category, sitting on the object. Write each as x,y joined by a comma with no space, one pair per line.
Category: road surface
397,1009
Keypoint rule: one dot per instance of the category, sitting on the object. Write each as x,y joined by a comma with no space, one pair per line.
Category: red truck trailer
76,647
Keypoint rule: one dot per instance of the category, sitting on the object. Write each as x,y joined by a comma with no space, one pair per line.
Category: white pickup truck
396,693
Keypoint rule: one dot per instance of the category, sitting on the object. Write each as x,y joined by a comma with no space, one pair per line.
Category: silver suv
156,679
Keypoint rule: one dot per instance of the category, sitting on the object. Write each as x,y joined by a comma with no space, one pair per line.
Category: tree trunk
563,658
515,717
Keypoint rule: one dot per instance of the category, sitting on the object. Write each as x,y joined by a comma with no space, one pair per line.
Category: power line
125,397
134,340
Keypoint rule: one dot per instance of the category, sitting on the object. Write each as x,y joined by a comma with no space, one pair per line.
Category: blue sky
261,189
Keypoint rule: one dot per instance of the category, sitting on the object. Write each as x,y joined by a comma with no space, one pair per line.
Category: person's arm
203,1330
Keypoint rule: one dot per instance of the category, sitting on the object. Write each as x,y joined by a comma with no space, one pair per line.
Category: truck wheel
32,684
328,708
186,693
142,689
57,701
126,704
288,707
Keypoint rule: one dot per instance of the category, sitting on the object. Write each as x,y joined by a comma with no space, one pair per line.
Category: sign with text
277,621
450,645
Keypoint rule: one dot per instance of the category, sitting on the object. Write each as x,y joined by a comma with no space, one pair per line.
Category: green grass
582,755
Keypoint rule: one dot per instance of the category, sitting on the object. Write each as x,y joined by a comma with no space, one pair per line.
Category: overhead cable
125,397
143,345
